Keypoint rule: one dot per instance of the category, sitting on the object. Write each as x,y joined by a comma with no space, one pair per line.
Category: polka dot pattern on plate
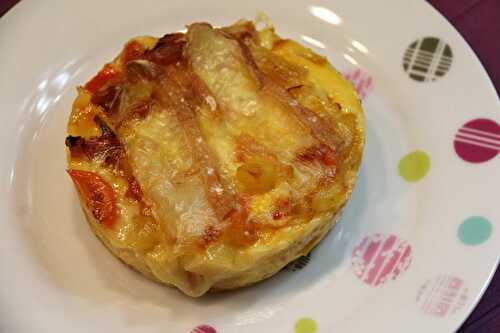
361,81
475,230
379,258
478,140
414,166
427,59
442,296
306,325
204,329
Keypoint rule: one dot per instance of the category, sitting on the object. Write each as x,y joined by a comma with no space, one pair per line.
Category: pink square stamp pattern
442,296
361,81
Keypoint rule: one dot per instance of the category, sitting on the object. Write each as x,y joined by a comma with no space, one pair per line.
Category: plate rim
17,9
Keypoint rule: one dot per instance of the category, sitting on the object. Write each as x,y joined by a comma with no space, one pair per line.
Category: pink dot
379,258
478,140
442,296
204,329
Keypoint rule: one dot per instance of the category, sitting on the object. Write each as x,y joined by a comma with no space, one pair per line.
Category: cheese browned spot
105,147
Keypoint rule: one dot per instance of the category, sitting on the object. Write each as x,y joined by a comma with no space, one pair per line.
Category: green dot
306,325
414,165
474,230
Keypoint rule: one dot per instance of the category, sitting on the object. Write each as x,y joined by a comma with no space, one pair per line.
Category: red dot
204,329
478,140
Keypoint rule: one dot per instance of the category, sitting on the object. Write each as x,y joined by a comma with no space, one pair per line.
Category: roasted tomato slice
132,51
105,75
98,195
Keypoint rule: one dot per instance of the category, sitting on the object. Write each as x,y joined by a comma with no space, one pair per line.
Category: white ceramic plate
417,243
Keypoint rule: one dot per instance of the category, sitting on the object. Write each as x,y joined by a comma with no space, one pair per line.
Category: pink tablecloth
479,22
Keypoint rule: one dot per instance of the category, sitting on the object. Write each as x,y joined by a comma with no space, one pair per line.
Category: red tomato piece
105,75
132,51
98,194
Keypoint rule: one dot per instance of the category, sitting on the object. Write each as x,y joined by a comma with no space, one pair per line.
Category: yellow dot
306,325
414,166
